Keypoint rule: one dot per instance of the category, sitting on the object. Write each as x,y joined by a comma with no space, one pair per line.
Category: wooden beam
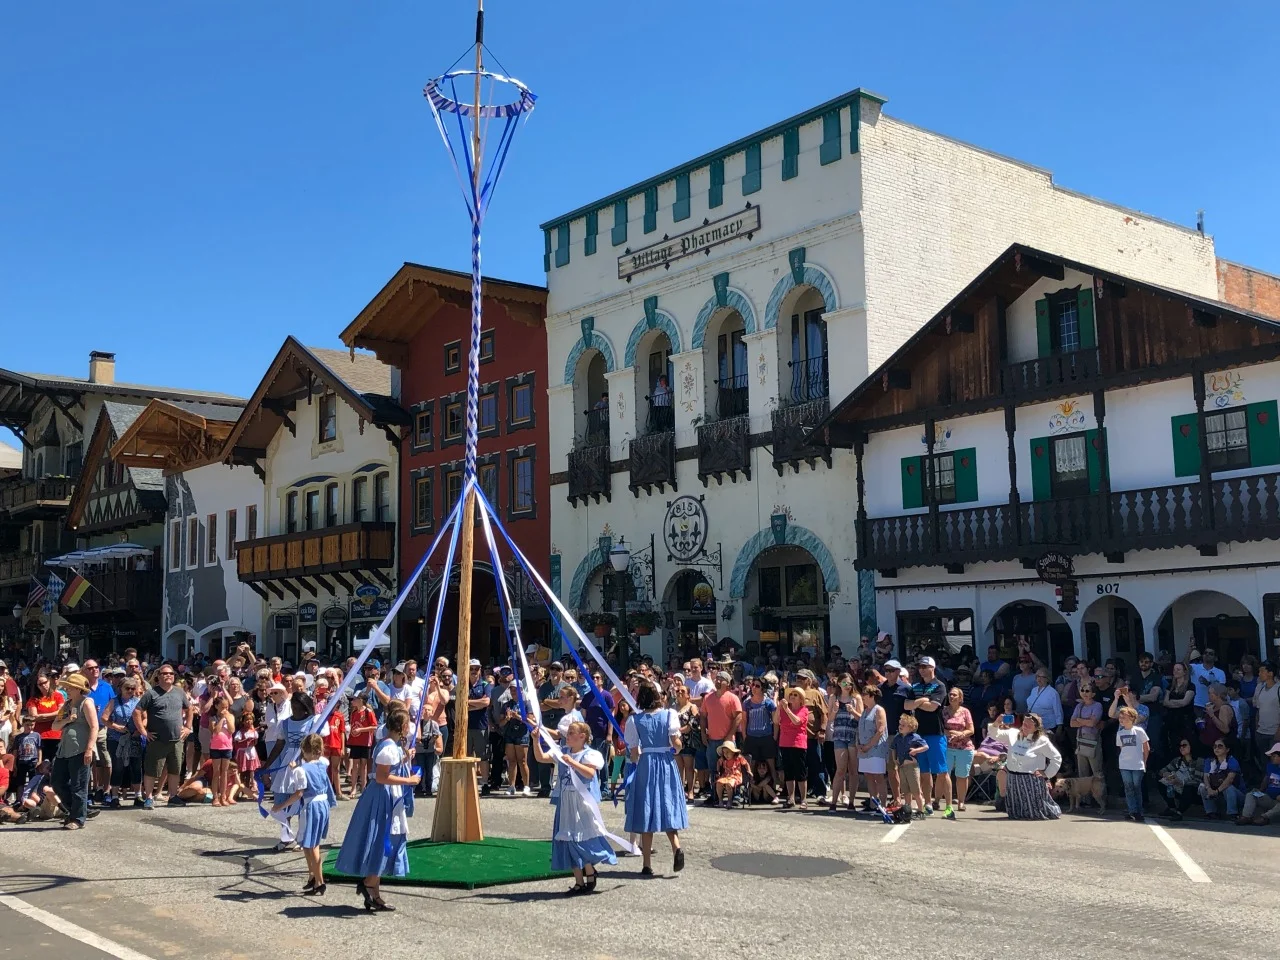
297,594
383,579
960,321
326,584
388,351
1025,262
274,589
258,590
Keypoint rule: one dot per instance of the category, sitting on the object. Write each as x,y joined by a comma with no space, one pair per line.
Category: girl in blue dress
577,842
655,800
317,800
379,828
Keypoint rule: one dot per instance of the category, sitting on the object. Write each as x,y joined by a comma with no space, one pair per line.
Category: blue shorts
959,762
935,760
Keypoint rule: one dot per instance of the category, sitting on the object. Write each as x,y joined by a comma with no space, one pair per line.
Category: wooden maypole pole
457,813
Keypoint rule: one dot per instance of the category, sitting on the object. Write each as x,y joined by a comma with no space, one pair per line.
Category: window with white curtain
1070,466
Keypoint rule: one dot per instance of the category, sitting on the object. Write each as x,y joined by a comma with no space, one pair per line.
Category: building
1060,428
758,279
322,434
47,511
420,323
209,506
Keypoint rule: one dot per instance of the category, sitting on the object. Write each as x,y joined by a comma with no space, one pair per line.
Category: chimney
102,367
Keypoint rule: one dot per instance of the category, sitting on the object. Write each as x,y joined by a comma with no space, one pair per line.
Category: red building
420,323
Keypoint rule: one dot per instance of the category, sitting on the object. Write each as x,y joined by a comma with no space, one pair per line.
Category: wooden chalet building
1054,408
322,433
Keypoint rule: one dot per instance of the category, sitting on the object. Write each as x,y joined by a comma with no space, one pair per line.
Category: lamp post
620,558
17,619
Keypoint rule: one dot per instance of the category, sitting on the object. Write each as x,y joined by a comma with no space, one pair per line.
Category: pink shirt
792,733
960,720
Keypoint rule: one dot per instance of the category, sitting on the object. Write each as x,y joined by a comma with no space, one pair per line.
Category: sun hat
728,745
277,685
75,681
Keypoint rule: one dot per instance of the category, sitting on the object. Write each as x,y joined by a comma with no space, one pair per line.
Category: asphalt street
203,883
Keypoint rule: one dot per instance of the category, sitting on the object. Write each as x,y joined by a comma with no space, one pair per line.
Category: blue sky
185,184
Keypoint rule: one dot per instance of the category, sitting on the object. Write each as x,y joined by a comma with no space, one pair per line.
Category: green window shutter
1041,471
1186,445
1044,329
751,179
966,473
562,245
593,228
619,223
912,482
1094,440
680,211
1264,434
715,196
830,151
546,251
651,210
1088,327
790,153
855,118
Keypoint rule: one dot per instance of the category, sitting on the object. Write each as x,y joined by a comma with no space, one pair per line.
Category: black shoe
646,871
309,885
678,865
544,794
710,801
316,891
591,879
381,907
91,813
1173,815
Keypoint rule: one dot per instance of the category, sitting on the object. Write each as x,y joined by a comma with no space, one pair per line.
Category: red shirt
336,736
718,708
362,718
46,709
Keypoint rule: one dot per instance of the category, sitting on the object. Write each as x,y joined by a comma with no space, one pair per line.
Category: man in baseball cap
928,696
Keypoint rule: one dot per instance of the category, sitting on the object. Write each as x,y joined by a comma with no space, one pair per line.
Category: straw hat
75,681
728,745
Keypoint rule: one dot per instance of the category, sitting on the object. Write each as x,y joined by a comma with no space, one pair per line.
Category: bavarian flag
75,590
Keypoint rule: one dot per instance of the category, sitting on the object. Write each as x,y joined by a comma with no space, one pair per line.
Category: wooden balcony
118,595
310,553
17,568
590,472
653,462
792,424
1240,510
1056,375
724,447
24,499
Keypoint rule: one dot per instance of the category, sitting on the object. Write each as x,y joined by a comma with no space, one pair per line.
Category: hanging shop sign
376,609
306,613
334,616
684,529
701,239
367,593
703,598
1055,567
284,621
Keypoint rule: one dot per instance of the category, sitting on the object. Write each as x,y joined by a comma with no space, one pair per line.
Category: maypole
457,811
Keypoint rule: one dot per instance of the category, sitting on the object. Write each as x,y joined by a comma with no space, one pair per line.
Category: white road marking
895,833
1189,866
69,929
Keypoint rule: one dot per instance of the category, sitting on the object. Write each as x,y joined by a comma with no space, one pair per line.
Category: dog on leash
1075,789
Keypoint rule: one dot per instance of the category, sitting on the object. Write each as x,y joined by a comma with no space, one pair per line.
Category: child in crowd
7,813
246,752
427,753
314,798
364,724
39,801
335,741
26,753
761,789
908,745
221,742
1135,747
730,770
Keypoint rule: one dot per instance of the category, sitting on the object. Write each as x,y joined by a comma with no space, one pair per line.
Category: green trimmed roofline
738,146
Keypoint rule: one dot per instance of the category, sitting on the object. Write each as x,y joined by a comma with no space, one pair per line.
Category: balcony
724,447
118,595
590,472
791,426
732,399
653,462
25,499
1240,510
597,425
1052,376
17,568
331,551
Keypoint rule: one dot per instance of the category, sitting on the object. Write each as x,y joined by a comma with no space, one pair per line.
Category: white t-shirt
1198,673
632,736
419,686
406,696
1130,743
700,687
390,755
562,728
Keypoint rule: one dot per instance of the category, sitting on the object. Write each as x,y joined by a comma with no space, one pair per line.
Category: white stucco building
322,434
1061,426
761,278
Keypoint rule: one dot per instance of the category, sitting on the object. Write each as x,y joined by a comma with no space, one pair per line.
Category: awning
110,551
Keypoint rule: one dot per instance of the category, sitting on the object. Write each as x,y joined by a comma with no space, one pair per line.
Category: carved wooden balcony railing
791,426
724,448
1051,376
653,462
352,546
590,472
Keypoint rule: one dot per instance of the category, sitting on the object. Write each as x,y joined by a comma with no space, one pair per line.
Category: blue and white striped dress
317,801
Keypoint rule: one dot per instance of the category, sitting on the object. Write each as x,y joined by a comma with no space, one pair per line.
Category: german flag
75,590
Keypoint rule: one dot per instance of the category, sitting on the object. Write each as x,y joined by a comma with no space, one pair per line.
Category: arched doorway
591,398
725,366
787,604
654,394
802,347
690,600
1113,628
487,637
1213,620
1043,627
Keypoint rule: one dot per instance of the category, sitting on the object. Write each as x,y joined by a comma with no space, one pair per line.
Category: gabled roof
10,457
114,419
290,378
21,393
1009,276
412,297
168,436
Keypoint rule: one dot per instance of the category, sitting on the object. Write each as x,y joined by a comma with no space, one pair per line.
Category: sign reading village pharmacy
699,240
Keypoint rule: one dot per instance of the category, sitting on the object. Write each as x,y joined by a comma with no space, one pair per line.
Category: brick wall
1248,289
936,212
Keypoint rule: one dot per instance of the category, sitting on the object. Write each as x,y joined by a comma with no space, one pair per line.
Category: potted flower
601,624
644,621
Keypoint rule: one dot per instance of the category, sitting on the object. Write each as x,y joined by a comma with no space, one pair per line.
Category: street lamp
620,558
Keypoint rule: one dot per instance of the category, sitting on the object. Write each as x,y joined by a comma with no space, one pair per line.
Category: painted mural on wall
1067,417
1224,389
194,598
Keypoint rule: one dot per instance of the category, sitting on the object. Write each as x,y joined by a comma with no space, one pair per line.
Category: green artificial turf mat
492,861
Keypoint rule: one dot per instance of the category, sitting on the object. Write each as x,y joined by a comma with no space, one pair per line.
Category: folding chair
982,787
